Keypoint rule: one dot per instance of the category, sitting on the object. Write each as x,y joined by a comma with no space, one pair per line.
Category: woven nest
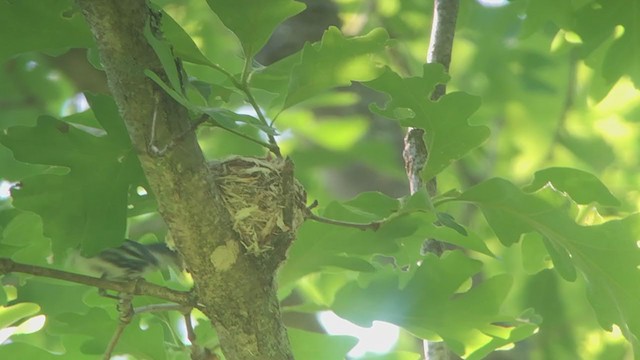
257,193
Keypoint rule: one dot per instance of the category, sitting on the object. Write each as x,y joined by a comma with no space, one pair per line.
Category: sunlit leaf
429,307
314,346
583,187
607,255
447,133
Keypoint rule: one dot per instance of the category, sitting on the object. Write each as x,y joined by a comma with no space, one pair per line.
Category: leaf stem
254,104
273,148
243,85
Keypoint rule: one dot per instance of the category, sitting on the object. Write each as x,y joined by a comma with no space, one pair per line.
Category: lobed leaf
87,205
583,187
40,25
334,61
448,135
607,255
430,306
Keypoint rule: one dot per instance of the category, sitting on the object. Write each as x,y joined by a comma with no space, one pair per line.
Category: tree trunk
235,286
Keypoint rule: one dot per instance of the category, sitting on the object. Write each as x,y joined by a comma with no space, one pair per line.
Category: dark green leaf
183,44
253,21
334,61
229,119
167,59
87,205
30,25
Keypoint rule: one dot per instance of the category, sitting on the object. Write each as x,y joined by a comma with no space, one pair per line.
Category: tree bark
237,291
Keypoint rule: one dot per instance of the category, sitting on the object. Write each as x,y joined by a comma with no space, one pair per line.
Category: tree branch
140,287
415,152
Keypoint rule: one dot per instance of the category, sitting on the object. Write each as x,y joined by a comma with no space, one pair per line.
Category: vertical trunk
235,287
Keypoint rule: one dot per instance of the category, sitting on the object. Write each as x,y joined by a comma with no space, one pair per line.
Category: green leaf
595,24
220,117
27,351
334,61
396,355
229,119
253,21
607,255
430,307
557,336
11,314
320,246
176,95
139,343
583,187
538,14
448,221
534,254
167,59
23,235
183,44
87,205
313,346
448,135
31,25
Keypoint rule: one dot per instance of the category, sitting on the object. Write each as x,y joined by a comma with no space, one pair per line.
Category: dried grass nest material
253,192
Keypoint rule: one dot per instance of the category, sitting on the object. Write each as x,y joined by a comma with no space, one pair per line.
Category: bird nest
263,198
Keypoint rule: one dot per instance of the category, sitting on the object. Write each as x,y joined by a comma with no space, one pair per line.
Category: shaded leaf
253,21
183,45
58,26
87,205
334,61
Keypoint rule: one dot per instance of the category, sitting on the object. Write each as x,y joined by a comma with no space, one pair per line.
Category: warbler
130,261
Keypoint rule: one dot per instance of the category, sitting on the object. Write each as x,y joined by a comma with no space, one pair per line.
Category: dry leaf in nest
256,193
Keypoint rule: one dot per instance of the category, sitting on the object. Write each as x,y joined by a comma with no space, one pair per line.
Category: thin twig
374,225
126,315
114,341
151,308
271,147
141,287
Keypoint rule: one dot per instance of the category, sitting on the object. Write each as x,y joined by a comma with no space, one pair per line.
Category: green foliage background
541,113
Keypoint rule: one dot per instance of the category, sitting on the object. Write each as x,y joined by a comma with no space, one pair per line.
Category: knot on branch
263,199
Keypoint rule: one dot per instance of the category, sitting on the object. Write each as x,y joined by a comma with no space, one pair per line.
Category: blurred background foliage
559,87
